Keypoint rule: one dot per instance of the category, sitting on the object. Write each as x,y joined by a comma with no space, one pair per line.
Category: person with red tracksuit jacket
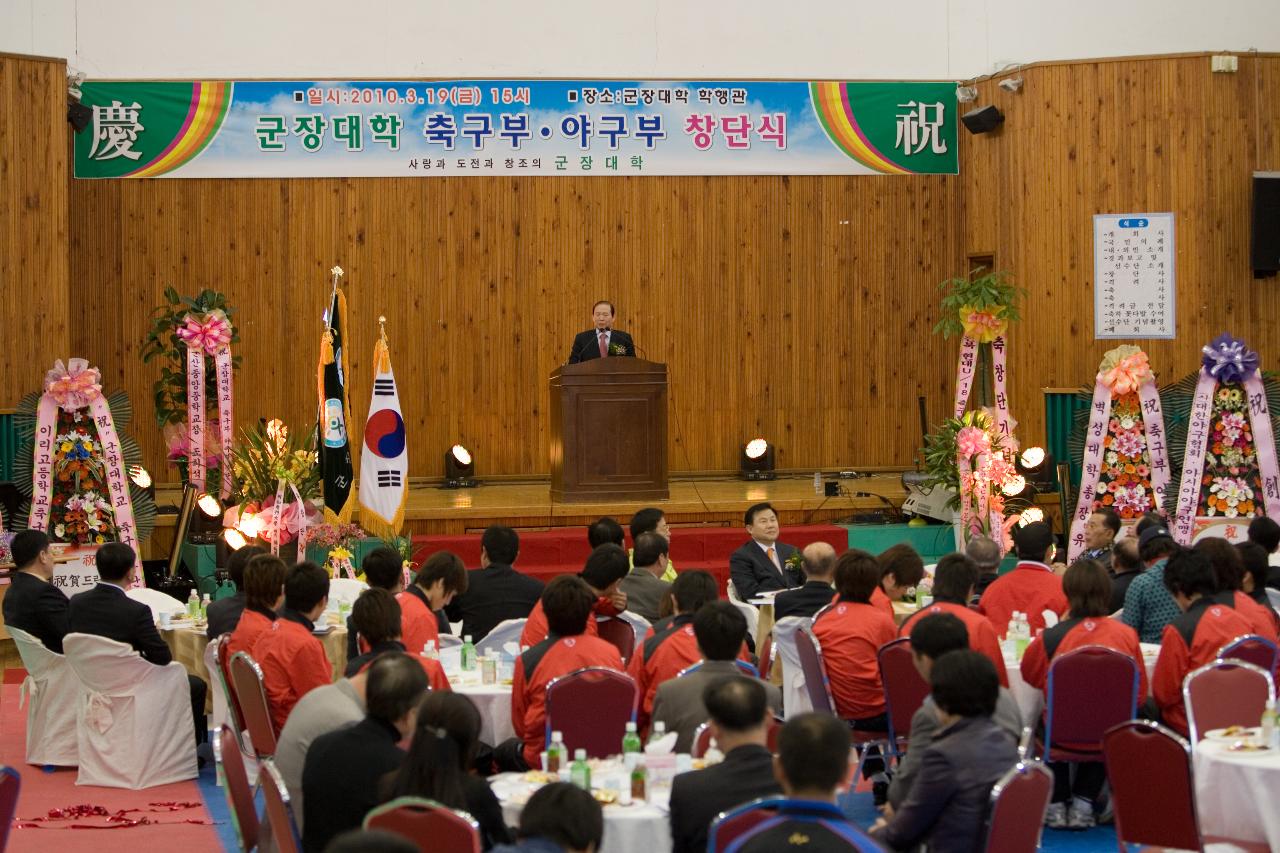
1031,588
953,583
1228,570
441,577
292,658
670,647
1208,622
568,602
1088,589
376,615
603,571
263,594
900,569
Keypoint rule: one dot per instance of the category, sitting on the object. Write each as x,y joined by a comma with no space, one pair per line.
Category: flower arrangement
266,456
981,305
1124,478
336,535
796,562
1231,480
968,456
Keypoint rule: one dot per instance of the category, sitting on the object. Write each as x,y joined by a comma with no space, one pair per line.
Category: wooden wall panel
1140,135
34,301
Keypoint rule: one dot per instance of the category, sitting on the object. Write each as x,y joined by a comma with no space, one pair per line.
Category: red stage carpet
43,791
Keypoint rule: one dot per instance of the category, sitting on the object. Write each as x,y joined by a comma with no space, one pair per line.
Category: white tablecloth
1235,795
492,700
1031,701
637,828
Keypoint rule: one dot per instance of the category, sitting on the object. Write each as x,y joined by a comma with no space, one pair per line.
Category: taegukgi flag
384,459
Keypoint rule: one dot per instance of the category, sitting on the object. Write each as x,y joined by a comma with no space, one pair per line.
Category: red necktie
604,346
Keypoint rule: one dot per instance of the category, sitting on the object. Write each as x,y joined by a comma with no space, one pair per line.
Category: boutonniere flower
617,349
795,561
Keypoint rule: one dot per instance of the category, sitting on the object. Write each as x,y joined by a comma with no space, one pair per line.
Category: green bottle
580,771
630,746
468,654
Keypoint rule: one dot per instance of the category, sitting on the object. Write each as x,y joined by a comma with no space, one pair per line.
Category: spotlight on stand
142,479
205,525
1036,464
209,505
459,468
234,538
757,460
1030,515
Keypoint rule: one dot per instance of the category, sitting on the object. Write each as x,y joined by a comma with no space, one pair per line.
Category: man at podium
602,341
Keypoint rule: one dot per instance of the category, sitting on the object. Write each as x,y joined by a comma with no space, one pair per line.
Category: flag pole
333,294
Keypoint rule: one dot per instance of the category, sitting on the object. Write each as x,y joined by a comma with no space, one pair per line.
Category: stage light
209,505
1015,487
140,477
250,525
1030,515
756,461
1036,464
459,468
234,539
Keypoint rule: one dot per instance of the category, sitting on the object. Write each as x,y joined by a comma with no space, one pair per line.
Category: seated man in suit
292,658
376,616
739,716
441,578
644,586
603,572
383,569
602,341
263,595
495,592
653,520
224,614
819,585
761,564
107,612
32,603
720,629
813,760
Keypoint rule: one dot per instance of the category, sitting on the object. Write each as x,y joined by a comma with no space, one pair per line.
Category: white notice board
1133,290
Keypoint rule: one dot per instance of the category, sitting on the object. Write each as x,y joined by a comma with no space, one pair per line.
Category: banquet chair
620,633
234,780
1090,689
592,707
1225,693
223,682
729,826
1152,792
507,631
795,700
428,824
10,785
220,713
766,656
904,690
1016,814
157,601
702,741
133,721
1253,649
280,820
747,610
748,669
52,691
819,687
246,682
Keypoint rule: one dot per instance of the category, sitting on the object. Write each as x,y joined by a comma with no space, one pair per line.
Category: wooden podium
609,431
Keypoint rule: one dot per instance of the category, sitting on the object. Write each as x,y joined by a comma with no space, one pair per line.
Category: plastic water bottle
193,605
817,482
639,783
468,654
631,746
1269,728
657,731
1023,638
429,650
204,606
580,770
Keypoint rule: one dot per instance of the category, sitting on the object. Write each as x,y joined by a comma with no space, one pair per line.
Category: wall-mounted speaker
1265,245
983,119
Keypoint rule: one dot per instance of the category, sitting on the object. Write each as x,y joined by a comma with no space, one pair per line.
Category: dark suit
753,573
340,778
224,615
107,612
493,595
38,607
805,601
746,774
586,345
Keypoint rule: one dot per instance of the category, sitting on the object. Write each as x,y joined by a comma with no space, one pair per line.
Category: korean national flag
384,460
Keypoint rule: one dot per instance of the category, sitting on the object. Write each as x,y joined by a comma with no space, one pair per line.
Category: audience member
1088,589
292,658
900,569
376,617
371,841
224,614
1148,607
559,817
441,578
1126,565
1265,532
264,576
1256,569
383,569
644,586
946,810
1228,570
445,741
1150,518
954,580
105,610
986,554
762,564
341,772
567,602
720,629
604,570
32,603
1193,638
932,637
670,647
653,520
819,584
605,531
495,592
1031,587
1100,531
739,715
813,761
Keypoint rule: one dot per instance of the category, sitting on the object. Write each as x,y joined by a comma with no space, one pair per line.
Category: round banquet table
188,643
492,700
1031,701
1235,794
637,828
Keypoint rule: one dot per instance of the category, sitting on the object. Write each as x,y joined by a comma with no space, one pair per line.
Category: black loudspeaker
983,119
79,115
1265,250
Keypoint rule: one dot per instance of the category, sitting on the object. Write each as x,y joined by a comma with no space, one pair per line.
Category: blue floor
215,801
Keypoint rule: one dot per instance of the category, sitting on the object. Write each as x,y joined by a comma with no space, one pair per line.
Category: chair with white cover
747,610
795,698
53,692
133,724
345,591
157,601
221,711
507,631
1273,596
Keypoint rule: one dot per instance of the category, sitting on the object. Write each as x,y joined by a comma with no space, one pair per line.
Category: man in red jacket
376,615
1193,639
441,578
603,572
291,656
567,602
671,646
953,582
1031,587
900,569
